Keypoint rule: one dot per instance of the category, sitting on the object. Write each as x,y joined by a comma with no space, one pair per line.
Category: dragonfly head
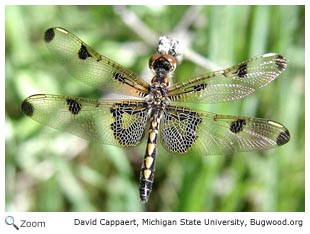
162,63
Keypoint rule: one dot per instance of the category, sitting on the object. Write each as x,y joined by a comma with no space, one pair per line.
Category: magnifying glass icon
9,220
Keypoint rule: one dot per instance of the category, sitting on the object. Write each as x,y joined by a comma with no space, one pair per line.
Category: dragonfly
155,108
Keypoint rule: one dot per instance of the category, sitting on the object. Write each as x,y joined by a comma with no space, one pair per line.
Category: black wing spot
128,130
242,71
237,126
281,62
122,134
283,138
199,87
74,106
119,77
180,133
27,108
49,35
83,53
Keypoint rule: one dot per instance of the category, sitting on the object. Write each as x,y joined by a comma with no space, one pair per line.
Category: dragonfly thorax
162,65
157,96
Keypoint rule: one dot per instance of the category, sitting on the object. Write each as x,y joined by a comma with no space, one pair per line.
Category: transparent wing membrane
87,65
120,123
183,129
230,84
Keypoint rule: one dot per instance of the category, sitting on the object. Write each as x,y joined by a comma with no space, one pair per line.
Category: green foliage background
47,170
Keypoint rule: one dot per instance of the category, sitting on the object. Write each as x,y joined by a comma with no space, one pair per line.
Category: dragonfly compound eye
162,62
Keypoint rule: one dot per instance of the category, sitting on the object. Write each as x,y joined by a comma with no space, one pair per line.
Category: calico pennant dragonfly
156,110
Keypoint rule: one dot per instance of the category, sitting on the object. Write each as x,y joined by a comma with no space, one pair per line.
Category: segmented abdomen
148,167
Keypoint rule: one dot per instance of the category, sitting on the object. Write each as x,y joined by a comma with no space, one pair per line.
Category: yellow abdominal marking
154,124
147,173
152,135
148,162
150,148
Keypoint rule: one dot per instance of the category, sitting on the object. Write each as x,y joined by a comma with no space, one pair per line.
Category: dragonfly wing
233,83
183,129
85,64
120,123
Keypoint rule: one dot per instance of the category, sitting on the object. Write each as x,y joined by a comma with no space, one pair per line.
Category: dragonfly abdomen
148,167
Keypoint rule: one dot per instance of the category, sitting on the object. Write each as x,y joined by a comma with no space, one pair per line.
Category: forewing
120,123
232,83
85,64
183,130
